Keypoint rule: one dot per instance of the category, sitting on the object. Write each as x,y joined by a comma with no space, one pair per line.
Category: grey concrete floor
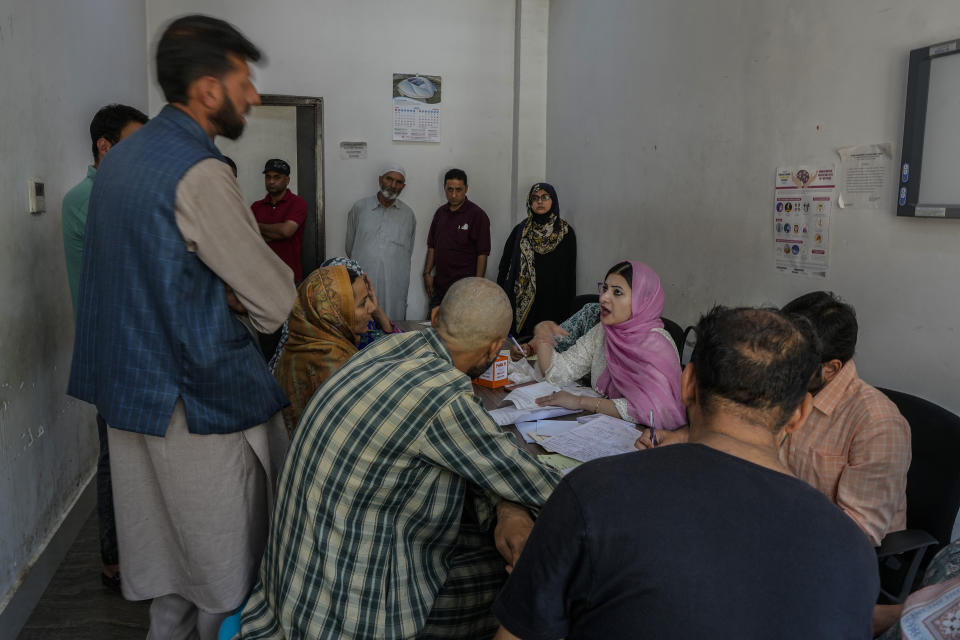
77,606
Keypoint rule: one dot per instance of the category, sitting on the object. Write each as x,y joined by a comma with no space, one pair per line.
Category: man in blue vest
173,266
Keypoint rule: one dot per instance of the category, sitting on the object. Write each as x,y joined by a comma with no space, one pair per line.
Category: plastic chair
933,495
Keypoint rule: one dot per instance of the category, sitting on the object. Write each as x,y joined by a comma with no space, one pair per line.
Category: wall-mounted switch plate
36,203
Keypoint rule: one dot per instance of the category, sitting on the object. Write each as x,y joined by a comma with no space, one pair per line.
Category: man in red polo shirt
281,216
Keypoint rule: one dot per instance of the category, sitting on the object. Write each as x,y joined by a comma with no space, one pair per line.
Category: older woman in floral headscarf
538,269
330,314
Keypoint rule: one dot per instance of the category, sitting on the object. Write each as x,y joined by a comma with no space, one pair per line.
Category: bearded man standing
380,231
172,259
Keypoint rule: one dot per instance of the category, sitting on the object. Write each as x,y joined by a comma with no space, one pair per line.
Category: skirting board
31,588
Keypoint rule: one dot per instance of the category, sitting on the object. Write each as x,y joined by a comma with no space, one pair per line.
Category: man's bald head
473,313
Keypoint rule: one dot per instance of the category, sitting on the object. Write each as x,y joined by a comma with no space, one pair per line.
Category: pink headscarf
642,366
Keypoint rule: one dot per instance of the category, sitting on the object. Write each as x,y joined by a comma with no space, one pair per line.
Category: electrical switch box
36,203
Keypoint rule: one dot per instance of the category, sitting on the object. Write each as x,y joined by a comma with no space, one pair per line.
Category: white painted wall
346,52
271,132
533,17
666,122
60,62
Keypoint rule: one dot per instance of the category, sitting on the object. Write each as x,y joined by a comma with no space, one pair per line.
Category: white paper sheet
510,415
601,437
555,427
526,397
526,429
865,171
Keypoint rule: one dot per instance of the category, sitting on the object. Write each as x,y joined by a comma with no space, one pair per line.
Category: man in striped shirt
394,474
855,446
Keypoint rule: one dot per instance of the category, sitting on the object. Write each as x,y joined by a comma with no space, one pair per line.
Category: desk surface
493,399
490,398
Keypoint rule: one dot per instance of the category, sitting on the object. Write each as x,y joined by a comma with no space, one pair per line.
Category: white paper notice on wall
353,150
865,176
802,202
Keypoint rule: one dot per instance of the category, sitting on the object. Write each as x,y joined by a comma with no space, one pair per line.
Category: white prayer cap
393,166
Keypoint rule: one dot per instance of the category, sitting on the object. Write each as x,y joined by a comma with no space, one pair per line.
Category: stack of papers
526,397
510,415
603,436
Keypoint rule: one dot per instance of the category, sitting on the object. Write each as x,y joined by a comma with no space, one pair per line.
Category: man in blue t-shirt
712,538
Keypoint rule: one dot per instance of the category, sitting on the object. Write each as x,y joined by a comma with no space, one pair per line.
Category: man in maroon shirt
458,243
281,216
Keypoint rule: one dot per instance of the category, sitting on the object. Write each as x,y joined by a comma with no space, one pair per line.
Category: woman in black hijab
538,269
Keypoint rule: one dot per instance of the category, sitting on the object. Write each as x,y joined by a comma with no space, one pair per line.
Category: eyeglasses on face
543,197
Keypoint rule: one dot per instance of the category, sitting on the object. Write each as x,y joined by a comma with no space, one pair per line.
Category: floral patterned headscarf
537,237
320,337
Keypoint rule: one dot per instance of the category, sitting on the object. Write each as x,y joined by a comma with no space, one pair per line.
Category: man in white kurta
380,233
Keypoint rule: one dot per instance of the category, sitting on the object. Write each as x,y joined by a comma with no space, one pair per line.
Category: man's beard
476,372
388,194
228,120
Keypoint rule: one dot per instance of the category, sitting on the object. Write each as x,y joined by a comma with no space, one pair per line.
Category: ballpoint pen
517,345
653,432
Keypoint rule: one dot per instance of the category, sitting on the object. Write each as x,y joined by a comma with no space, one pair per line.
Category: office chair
583,299
933,495
675,331
689,342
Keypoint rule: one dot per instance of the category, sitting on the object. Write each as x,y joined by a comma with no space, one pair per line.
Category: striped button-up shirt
855,448
370,497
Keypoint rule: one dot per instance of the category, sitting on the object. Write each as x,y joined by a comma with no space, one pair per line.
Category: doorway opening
289,128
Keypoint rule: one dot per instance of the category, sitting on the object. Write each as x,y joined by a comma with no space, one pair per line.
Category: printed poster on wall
416,107
803,199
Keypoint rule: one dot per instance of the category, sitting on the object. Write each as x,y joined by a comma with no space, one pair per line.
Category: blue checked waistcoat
153,323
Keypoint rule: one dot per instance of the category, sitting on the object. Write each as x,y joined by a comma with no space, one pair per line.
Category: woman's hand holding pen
663,437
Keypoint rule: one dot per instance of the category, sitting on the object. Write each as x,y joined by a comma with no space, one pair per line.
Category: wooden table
493,399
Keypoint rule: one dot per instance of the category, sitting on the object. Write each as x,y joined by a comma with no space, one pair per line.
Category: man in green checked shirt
390,488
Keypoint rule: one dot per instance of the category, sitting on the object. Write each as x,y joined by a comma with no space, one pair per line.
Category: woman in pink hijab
631,359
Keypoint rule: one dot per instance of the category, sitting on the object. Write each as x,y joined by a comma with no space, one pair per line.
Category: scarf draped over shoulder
320,337
535,238
642,365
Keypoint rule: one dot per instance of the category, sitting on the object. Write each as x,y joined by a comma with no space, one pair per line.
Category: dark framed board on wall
929,184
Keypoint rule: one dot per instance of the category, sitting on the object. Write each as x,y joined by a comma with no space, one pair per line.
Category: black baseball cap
278,165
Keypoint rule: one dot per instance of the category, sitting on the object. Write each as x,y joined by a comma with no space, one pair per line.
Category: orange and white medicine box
496,375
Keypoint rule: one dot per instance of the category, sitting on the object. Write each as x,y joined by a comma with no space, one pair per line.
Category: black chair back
583,299
933,481
689,342
675,331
